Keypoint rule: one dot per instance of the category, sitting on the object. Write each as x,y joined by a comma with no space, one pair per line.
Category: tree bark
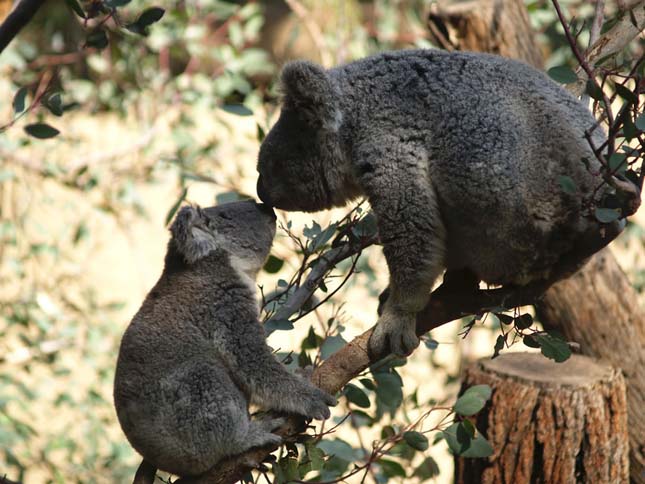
598,307
497,26
549,422
607,322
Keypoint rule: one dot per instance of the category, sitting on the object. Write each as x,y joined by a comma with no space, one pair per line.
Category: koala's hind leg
413,235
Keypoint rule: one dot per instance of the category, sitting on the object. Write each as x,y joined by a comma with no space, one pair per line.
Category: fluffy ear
309,91
191,234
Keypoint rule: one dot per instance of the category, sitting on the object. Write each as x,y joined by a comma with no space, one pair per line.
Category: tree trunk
598,307
497,26
607,322
549,422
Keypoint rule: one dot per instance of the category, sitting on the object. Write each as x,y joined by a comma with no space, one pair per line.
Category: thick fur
460,156
195,354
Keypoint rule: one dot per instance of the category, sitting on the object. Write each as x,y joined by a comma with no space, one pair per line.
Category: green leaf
228,197
427,469
366,227
76,8
457,437
530,341
338,448
277,325
524,321
147,18
469,427
391,468
331,345
479,447
150,16
469,404
626,94
367,383
116,3
19,100
640,122
97,39
41,130
607,215
431,344
288,470
175,206
499,345
323,237
553,346
594,91
388,389
273,264
316,457
567,184
54,104
261,134
356,396
618,163
237,109
563,74
416,440
484,391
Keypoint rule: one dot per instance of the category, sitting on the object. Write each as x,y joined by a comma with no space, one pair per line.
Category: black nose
264,208
262,193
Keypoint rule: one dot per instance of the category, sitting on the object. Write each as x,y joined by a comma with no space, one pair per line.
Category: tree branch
20,16
613,41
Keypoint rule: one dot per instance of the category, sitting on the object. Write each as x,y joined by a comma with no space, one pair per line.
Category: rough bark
549,422
607,322
583,307
496,26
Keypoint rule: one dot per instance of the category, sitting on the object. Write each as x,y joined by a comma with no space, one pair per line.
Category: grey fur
459,155
195,354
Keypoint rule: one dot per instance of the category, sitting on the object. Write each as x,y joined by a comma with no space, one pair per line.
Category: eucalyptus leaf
563,74
19,100
41,130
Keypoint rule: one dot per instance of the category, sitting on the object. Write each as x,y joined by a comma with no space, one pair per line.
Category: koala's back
175,398
497,135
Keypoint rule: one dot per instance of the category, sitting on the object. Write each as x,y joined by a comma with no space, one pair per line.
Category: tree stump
549,422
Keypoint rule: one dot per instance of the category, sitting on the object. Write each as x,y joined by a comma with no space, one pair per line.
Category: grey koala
195,353
460,156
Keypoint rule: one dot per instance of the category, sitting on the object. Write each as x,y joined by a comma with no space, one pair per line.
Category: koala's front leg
413,237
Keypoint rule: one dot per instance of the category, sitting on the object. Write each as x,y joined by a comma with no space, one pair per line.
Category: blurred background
147,122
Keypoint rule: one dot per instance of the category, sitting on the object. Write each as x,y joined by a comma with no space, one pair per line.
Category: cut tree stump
549,422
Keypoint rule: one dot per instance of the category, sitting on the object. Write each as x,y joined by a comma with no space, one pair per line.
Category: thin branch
628,27
20,16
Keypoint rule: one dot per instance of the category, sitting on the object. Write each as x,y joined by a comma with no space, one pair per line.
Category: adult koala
194,355
461,157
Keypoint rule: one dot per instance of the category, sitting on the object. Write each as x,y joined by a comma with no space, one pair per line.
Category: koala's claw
395,336
312,402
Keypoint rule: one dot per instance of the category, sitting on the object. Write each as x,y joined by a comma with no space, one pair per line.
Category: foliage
193,79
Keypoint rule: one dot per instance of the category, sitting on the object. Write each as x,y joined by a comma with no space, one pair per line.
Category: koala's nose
262,193
264,208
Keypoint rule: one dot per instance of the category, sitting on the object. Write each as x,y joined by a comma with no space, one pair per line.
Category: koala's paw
394,333
310,401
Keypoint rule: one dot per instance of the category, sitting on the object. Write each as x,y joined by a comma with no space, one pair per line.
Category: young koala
461,156
195,355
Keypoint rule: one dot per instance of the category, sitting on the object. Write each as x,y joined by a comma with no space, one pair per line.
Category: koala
195,355
461,156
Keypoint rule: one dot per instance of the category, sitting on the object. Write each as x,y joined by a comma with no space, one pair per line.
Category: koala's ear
191,235
310,91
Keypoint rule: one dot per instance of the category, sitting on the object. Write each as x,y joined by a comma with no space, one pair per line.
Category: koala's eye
225,216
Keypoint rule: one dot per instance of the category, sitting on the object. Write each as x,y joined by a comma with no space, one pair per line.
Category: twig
613,41
326,262
17,19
